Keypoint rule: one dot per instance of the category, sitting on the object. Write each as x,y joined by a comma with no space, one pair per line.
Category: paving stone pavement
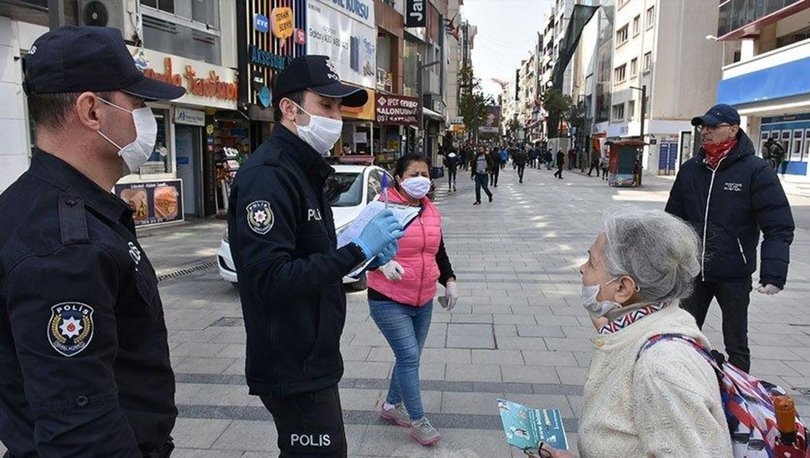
518,332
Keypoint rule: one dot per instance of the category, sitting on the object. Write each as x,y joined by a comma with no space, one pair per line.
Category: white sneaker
424,433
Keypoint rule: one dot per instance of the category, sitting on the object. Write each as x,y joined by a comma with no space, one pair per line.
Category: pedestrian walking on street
604,165
594,162
496,169
519,158
481,167
664,400
400,297
84,355
728,194
451,161
282,236
560,164
774,153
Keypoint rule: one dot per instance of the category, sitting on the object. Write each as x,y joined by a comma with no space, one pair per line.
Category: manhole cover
229,322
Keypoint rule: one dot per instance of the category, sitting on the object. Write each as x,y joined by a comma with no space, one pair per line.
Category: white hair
657,250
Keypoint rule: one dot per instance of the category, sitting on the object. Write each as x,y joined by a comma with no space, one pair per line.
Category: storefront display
153,202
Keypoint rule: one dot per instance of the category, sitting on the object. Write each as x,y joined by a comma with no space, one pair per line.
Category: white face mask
136,153
593,306
321,133
416,187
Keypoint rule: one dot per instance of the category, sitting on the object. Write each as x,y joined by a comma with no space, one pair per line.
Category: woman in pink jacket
400,296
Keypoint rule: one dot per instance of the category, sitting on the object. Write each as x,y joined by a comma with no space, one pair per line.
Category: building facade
766,45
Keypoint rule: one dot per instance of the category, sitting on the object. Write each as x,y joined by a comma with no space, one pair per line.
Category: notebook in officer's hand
525,427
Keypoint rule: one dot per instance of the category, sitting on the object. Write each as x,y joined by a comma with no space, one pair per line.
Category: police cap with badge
317,74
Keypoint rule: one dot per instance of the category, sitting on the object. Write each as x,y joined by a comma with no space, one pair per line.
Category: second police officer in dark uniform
290,271
83,351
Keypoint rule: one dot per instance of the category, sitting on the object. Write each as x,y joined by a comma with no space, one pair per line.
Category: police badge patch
260,217
70,328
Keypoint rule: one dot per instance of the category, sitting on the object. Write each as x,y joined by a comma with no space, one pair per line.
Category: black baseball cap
79,59
318,75
718,114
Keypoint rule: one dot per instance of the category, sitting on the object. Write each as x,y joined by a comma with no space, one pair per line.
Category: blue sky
507,31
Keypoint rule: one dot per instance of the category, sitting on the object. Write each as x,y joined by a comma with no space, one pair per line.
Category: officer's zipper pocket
742,253
315,342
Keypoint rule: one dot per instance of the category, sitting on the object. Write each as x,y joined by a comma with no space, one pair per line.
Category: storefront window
160,160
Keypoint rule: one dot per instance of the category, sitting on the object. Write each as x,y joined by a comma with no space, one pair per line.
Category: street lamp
419,68
643,90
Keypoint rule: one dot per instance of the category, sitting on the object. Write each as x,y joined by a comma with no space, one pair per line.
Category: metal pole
56,14
641,129
421,102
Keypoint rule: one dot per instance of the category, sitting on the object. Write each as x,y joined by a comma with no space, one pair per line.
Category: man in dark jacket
451,161
519,158
729,195
290,271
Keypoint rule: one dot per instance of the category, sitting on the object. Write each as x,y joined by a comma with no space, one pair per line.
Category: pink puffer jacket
417,255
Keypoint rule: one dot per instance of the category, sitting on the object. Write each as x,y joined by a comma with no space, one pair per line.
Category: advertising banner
153,202
344,30
492,121
397,110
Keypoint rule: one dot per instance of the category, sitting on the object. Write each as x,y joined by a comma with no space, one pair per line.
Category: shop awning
432,114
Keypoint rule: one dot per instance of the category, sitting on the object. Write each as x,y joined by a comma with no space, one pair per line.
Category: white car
351,188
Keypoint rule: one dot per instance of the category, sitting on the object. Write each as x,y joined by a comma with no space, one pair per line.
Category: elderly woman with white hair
664,401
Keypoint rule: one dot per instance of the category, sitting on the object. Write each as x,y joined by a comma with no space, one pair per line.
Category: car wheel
359,285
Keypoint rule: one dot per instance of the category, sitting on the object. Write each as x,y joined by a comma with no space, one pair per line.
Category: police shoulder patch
260,217
70,328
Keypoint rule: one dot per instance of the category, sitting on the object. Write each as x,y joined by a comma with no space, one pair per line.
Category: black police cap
317,74
79,59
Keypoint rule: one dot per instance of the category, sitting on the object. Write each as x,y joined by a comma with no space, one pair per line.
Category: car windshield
344,189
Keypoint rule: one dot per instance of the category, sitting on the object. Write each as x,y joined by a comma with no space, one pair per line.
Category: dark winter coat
744,197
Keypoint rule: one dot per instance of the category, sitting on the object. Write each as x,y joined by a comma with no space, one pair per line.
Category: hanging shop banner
492,120
416,13
397,110
153,202
344,30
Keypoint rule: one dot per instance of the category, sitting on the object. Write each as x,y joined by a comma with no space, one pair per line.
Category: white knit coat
666,404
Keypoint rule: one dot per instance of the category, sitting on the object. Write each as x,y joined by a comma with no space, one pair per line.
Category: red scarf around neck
717,151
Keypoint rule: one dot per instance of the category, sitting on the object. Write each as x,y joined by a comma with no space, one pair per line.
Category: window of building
631,109
622,3
187,28
633,67
650,17
647,61
618,112
621,35
620,73
636,25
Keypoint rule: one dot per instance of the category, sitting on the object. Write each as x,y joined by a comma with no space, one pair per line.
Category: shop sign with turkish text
397,109
205,84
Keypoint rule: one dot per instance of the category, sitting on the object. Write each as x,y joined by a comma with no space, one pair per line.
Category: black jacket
743,197
491,164
282,238
84,361
519,157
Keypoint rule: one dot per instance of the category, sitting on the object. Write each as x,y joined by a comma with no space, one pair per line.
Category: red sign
397,109
206,86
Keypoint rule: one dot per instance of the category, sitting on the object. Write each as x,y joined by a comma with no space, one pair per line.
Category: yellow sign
365,113
283,22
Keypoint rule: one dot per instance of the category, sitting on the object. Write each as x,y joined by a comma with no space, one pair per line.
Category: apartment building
662,71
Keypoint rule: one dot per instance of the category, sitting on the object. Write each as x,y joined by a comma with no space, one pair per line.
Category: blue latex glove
378,233
387,253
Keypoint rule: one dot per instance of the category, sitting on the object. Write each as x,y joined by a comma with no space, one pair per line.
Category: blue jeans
405,328
481,180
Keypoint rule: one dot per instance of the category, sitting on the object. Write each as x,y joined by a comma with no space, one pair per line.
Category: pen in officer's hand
385,189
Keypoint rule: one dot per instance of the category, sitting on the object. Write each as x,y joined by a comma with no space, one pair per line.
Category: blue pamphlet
525,427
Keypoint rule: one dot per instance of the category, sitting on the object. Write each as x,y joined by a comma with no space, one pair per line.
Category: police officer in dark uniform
83,351
282,236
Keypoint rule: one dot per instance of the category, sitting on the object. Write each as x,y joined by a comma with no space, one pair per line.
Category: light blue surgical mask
592,305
